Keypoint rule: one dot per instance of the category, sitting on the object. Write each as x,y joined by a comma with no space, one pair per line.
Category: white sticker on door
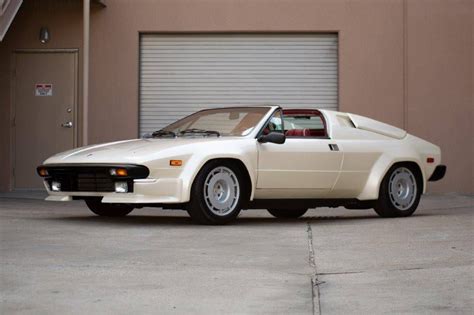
43,89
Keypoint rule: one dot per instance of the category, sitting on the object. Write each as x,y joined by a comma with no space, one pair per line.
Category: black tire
386,206
199,207
108,209
287,213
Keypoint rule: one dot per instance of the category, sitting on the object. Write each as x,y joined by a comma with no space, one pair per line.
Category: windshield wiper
163,133
201,131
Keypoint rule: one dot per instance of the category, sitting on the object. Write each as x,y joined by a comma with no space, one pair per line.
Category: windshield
216,122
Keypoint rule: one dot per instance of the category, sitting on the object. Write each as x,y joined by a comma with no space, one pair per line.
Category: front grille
85,182
85,179
94,182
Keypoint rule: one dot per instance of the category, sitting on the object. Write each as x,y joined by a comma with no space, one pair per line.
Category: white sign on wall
43,89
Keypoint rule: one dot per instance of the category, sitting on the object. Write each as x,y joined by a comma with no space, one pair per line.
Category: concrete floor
58,258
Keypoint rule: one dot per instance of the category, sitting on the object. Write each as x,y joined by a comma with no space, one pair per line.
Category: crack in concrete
316,302
340,273
373,271
365,271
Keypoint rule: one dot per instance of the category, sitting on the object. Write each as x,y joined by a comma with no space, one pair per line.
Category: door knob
67,124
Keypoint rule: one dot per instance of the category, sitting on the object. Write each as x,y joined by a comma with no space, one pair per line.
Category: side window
304,125
275,124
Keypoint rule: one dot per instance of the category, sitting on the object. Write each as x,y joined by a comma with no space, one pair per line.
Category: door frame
75,106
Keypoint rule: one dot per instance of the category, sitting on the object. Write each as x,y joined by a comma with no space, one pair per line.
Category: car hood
128,151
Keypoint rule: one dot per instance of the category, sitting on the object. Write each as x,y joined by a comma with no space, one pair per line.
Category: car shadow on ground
173,220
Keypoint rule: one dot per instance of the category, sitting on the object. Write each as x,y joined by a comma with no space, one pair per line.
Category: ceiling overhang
8,10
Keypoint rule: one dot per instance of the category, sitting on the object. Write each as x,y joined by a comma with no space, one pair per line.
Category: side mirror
273,137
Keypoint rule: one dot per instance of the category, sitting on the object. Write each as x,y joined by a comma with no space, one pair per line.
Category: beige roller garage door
180,74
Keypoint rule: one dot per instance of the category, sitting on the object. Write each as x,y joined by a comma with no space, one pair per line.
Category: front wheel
108,209
217,194
287,213
400,192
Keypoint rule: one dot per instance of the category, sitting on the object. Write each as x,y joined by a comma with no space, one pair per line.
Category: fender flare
188,180
378,172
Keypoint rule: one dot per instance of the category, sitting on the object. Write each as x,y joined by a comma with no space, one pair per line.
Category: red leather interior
305,133
317,132
298,133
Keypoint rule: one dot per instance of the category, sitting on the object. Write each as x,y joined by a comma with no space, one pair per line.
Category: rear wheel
287,213
400,192
108,209
217,193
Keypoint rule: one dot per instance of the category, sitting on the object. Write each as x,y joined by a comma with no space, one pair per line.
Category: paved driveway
57,258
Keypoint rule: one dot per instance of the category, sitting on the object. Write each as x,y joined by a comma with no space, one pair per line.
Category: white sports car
216,162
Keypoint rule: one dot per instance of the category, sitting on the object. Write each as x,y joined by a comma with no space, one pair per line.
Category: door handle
67,124
333,147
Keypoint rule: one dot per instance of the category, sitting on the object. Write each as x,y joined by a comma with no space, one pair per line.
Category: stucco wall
408,63
64,22
440,84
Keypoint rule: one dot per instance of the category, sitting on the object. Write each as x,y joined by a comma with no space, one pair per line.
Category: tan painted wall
62,21
412,70
440,84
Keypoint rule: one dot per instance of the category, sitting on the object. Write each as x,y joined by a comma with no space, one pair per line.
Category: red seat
298,133
318,133
306,133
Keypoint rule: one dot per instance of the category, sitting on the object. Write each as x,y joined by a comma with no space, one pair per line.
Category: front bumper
147,191
94,180
90,177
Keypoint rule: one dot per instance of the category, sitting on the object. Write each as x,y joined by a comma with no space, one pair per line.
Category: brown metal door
44,109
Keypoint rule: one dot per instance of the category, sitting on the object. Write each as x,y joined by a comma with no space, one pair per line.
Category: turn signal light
176,162
118,172
43,172
430,160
